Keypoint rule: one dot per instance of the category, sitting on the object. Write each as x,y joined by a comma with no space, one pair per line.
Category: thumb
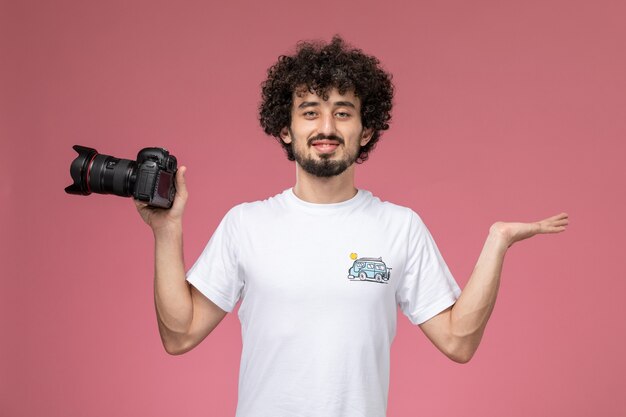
181,186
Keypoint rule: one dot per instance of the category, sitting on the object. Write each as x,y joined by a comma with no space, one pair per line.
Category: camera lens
102,174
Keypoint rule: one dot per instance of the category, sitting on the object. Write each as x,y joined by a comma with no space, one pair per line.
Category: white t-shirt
319,286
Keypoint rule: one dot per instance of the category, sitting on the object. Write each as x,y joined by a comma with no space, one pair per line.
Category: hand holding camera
159,219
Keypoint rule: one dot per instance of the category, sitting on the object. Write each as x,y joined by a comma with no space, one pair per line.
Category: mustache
327,137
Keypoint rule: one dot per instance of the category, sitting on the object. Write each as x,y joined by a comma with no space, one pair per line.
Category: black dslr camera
149,179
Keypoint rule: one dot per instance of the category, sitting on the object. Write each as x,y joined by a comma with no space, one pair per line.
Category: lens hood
79,170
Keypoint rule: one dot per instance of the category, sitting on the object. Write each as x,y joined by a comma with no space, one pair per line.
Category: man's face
326,135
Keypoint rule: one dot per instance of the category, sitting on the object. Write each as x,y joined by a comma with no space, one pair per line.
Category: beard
325,167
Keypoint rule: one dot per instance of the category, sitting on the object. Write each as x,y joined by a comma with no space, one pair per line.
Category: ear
284,135
366,135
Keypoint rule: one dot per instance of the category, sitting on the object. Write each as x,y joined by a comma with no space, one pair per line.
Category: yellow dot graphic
353,256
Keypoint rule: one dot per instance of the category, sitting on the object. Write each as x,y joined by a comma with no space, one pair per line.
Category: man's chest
314,267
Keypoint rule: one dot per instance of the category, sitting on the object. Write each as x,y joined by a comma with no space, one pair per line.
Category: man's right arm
185,316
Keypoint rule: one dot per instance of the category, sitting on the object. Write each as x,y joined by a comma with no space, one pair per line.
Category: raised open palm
514,232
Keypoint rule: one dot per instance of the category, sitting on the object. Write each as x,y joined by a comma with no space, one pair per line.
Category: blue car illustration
369,269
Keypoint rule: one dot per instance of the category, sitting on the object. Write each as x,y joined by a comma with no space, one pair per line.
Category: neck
324,190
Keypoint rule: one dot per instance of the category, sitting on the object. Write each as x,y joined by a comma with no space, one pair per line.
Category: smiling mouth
325,146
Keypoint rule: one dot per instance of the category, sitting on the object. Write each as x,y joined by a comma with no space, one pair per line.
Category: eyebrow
306,104
344,104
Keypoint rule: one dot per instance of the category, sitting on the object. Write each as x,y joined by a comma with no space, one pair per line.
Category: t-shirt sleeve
216,272
427,286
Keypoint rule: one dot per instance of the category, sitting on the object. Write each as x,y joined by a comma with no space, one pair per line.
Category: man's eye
309,114
342,115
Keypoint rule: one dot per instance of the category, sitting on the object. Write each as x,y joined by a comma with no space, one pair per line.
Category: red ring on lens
89,172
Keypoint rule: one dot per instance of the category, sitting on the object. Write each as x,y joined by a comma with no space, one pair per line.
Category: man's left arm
457,331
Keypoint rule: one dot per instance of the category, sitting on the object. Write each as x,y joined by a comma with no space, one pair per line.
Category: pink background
509,111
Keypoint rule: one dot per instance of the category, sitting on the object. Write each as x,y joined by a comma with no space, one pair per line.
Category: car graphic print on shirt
369,269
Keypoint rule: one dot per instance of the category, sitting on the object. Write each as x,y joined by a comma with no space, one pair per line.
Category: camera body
149,179
155,177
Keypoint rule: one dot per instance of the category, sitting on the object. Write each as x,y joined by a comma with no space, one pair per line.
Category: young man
321,268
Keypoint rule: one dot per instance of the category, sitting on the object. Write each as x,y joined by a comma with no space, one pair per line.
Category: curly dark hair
317,68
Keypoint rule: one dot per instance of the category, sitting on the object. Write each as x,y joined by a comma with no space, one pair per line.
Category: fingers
555,224
560,220
139,204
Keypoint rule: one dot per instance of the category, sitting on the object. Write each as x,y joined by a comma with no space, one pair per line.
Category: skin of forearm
172,295
470,313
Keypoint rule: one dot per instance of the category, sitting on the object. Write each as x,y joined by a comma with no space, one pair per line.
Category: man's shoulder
390,207
258,206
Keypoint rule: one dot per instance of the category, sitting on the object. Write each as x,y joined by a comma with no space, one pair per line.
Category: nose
327,125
